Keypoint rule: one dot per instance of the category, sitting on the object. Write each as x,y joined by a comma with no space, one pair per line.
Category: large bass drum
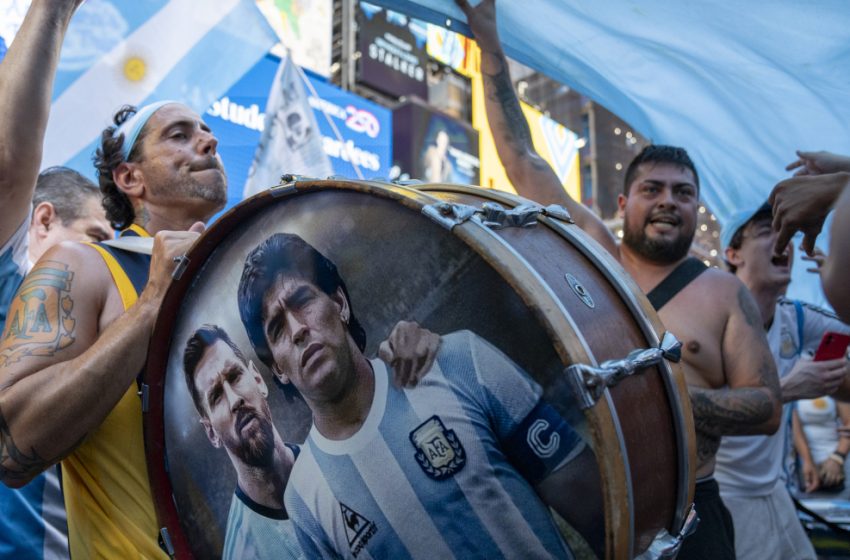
508,279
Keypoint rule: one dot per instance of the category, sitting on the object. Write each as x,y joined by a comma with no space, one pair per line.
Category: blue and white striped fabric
257,532
14,265
118,52
32,519
432,473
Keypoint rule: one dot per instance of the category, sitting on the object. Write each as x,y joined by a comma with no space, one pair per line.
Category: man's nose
666,197
234,399
299,329
208,143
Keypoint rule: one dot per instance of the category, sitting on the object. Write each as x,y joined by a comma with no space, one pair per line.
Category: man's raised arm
26,85
530,174
62,368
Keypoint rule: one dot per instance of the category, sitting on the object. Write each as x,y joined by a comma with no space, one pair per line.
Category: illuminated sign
392,51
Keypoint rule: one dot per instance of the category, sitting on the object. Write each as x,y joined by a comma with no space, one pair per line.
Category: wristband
837,458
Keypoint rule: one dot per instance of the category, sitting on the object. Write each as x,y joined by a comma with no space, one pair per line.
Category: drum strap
675,282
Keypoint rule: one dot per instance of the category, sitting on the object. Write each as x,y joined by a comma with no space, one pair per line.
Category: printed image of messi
463,465
230,397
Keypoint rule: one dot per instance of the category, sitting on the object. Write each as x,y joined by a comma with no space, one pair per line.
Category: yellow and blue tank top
107,492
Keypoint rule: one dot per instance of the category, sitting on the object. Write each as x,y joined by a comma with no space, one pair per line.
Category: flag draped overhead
118,53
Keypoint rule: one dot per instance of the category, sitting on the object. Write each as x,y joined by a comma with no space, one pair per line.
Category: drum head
482,453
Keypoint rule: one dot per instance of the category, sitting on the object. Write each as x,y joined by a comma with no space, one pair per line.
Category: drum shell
645,458
652,410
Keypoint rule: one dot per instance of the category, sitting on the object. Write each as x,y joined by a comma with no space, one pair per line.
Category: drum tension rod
493,215
590,382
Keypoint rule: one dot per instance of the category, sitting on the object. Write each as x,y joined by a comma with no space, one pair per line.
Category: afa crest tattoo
39,322
438,450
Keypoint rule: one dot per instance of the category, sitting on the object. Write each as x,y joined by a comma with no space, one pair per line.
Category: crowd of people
74,305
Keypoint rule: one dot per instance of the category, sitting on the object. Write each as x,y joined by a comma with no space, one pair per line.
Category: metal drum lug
590,382
448,214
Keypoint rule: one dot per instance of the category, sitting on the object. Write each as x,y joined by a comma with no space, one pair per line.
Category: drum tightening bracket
590,382
666,546
493,215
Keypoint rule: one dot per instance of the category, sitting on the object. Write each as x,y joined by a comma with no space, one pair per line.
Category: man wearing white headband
79,328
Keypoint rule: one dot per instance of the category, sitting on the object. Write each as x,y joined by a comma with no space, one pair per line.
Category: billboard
454,50
433,147
356,133
393,52
554,142
305,28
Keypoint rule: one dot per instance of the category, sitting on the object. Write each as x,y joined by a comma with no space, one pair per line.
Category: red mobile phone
833,345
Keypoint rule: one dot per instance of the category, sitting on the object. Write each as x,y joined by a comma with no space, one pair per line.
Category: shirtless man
728,366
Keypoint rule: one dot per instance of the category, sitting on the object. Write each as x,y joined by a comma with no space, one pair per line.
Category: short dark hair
763,214
119,209
67,190
657,153
197,344
286,253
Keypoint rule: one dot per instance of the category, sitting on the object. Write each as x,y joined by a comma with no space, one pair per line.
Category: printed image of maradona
466,464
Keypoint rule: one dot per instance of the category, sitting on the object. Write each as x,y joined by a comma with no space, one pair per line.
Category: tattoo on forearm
39,322
15,465
726,411
500,89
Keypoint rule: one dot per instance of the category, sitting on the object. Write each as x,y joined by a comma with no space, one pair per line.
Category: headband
134,125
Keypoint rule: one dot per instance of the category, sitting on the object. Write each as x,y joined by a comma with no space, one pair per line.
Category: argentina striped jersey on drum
446,469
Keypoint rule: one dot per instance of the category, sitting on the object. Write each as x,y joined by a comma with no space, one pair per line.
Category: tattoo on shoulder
39,322
748,306
15,465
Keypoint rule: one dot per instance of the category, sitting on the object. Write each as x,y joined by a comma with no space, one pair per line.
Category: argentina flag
135,52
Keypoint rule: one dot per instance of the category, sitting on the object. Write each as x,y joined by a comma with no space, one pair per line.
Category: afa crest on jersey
438,449
787,346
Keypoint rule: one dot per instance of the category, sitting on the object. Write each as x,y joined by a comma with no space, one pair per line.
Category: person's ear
338,297
129,179
215,440
282,377
733,257
621,204
258,379
43,216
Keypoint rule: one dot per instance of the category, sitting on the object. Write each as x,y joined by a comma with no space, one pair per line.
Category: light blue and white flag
741,85
121,52
291,141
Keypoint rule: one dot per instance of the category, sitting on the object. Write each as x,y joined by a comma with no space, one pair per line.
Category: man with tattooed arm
730,372
69,365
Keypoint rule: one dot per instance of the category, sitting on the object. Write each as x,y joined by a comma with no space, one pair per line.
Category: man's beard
187,186
256,447
661,251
